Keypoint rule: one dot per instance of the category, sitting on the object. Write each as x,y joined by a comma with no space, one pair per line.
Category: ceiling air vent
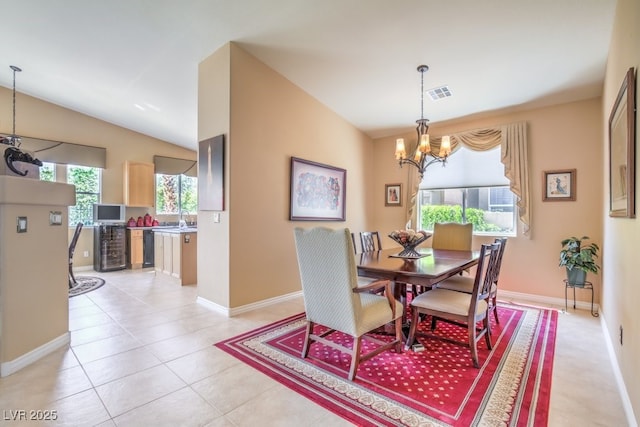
438,93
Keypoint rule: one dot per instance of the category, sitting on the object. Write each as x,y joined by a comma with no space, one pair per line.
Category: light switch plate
55,218
216,217
22,224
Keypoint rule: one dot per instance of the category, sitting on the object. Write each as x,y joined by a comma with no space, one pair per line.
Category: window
474,205
87,182
48,172
176,194
470,188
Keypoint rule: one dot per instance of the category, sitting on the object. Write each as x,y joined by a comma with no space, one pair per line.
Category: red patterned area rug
435,387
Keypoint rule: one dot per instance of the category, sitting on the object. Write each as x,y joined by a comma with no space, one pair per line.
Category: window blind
65,153
466,168
173,166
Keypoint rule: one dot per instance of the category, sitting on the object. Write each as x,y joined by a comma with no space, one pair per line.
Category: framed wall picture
211,174
318,191
559,185
622,137
393,194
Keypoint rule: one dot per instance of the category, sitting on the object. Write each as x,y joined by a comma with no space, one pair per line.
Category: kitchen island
175,250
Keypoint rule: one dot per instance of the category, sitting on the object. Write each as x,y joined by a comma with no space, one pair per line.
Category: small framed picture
559,185
393,195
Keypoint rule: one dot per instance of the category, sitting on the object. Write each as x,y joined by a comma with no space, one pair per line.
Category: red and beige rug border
519,396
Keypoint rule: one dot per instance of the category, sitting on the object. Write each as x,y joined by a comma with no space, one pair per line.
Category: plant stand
587,285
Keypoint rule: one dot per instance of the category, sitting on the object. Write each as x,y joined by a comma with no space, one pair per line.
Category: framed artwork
559,185
318,192
393,194
622,137
211,174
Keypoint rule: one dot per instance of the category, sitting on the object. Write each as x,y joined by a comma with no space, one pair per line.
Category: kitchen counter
167,229
175,252
175,229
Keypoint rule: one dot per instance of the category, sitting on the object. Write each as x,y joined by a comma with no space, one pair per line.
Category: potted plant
578,258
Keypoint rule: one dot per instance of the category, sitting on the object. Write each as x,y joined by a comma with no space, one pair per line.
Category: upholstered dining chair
465,284
452,236
370,241
460,308
72,248
333,299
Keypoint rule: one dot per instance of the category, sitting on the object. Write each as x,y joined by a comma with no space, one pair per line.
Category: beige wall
558,137
271,120
34,295
41,119
621,292
214,103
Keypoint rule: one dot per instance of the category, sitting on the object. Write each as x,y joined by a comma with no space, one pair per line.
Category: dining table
433,266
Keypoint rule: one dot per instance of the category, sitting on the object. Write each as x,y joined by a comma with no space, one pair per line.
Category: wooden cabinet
158,250
135,248
139,184
176,255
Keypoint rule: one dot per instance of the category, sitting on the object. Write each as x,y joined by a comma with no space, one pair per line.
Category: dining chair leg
399,335
415,316
307,340
472,345
487,335
495,308
355,357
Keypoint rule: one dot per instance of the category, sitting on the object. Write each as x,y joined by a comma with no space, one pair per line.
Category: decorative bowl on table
409,239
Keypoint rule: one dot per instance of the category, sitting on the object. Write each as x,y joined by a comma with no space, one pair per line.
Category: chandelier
425,154
13,139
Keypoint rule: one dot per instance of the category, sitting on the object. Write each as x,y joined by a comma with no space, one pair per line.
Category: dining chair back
452,236
465,284
460,308
72,248
370,241
333,299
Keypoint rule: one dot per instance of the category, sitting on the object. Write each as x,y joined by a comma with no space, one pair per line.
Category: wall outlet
86,254
620,334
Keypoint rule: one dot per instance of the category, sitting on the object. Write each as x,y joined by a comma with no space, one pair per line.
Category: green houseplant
579,259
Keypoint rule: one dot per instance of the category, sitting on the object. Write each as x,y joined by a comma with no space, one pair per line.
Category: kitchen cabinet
139,184
140,248
135,251
176,254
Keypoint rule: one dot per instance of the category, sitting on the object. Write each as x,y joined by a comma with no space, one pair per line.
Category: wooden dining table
435,266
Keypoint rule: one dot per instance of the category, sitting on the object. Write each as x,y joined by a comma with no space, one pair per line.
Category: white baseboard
230,312
546,301
8,368
622,389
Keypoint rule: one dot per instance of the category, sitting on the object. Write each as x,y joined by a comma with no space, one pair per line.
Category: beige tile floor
141,354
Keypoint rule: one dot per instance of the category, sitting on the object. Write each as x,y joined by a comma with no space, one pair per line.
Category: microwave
108,213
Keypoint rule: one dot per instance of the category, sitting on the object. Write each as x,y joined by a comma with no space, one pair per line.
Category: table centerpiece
409,239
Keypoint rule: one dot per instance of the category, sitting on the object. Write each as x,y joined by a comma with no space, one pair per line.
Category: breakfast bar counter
175,250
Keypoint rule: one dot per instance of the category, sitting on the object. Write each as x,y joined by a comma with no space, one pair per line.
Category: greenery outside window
48,172
491,210
88,183
176,194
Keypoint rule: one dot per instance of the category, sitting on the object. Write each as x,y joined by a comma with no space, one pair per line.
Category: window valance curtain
65,153
512,139
173,166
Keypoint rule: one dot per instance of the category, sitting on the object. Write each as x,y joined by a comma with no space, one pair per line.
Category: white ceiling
134,63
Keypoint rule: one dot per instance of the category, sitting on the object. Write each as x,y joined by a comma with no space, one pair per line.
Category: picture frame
318,191
211,174
559,185
393,194
622,137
